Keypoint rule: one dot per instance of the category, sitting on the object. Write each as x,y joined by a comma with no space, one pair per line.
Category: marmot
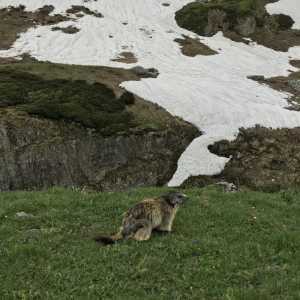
141,219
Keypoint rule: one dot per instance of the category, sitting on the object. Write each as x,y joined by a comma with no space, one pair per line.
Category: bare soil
193,47
126,57
15,20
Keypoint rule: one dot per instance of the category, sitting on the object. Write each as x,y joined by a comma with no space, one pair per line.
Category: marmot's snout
175,198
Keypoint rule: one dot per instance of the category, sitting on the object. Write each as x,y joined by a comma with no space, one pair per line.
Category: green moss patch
194,16
239,19
92,105
143,115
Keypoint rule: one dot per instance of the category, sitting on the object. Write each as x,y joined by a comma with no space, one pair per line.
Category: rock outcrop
38,153
261,158
240,20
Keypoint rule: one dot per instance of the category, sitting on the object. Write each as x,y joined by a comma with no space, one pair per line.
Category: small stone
24,215
141,71
228,187
195,241
256,77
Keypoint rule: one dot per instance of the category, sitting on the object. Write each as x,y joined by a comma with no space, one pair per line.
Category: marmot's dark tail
108,240
124,233
105,240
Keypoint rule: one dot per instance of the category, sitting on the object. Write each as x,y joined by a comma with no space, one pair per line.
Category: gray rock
228,187
216,21
246,26
256,77
24,215
141,71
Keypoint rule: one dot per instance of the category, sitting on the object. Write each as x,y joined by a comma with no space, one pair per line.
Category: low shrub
93,105
194,16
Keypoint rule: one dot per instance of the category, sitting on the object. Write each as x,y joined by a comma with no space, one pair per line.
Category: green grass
224,246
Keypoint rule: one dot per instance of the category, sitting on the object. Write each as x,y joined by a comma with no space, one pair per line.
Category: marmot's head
175,198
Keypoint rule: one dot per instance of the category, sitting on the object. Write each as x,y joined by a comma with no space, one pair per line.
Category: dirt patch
295,63
193,47
126,57
69,30
15,20
261,158
24,58
78,10
277,40
7,60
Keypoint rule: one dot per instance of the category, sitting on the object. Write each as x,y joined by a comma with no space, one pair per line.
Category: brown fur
149,214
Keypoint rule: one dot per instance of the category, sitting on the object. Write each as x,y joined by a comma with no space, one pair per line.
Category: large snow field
212,92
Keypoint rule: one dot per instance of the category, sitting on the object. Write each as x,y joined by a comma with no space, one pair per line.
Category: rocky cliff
39,153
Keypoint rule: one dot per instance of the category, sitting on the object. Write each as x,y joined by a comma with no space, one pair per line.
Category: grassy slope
93,105
145,114
224,246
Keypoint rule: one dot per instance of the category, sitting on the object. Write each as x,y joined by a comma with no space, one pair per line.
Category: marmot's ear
168,196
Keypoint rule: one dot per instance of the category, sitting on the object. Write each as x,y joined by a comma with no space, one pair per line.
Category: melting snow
212,92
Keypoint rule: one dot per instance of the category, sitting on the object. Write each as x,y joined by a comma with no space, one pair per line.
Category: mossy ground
194,15
92,105
224,246
84,94
230,16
